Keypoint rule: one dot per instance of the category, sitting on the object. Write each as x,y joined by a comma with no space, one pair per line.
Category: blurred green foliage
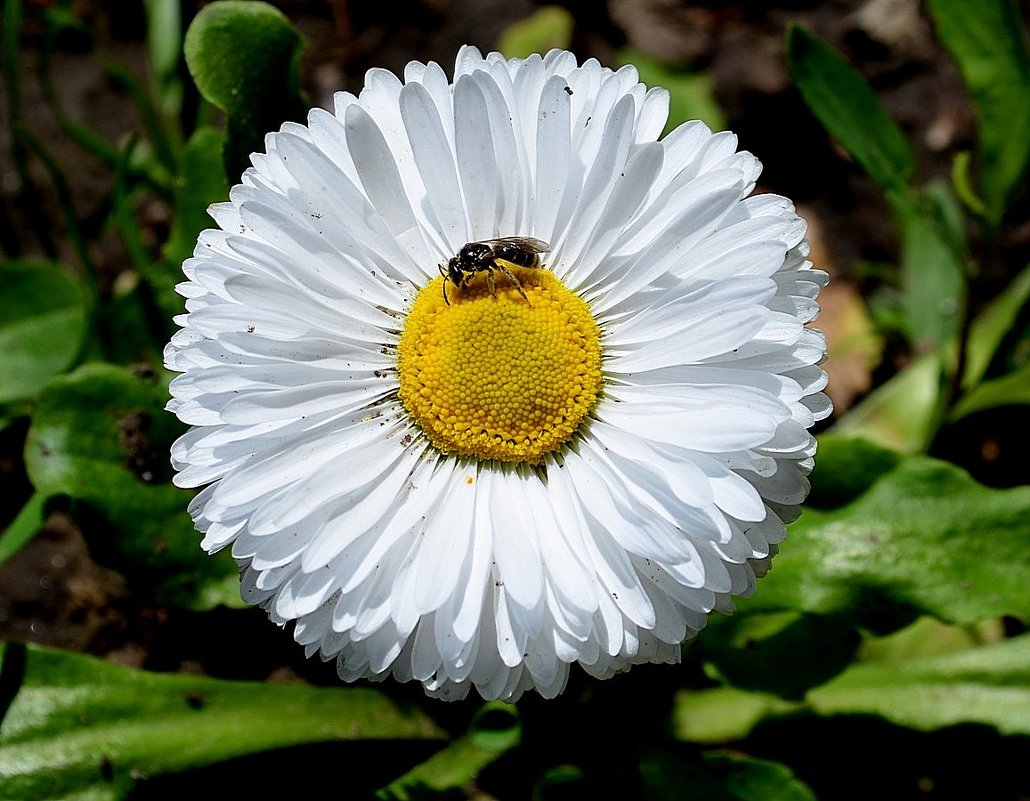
547,28
80,727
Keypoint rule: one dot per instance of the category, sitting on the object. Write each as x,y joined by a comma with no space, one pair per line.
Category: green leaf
130,329
494,731
1008,390
928,637
200,182
42,325
785,653
899,415
750,779
546,28
987,40
718,776
23,528
992,325
849,110
724,714
560,781
846,467
989,685
963,186
164,46
83,728
926,537
691,94
932,278
159,137
164,37
100,435
244,57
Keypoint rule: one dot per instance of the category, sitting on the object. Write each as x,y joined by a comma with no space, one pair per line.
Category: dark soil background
52,592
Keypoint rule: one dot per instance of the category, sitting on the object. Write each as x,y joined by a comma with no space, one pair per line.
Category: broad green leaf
83,728
200,182
928,637
989,685
785,653
932,278
750,779
723,714
494,731
244,57
987,40
899,415
691,94
23,528
718,776
849,110
546,28
991,326
100,435
232,45
42,324
926,537
1008,390
845,467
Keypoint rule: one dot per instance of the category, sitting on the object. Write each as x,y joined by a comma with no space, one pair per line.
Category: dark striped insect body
493,254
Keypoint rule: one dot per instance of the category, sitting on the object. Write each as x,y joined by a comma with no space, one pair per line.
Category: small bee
490,255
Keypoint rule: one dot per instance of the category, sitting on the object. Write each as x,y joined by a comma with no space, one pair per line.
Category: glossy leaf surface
101,436
83,728
42,323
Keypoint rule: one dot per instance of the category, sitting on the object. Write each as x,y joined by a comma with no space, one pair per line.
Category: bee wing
529,243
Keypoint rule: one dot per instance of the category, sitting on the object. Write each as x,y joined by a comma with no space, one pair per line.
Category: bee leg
443,272
490,282
514,281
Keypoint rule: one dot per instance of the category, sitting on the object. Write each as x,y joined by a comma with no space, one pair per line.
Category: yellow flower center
500,376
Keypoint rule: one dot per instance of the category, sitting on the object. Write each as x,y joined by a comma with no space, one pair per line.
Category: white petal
397,560
477,164
435,163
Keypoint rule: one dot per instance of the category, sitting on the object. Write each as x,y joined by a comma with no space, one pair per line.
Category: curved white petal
397,560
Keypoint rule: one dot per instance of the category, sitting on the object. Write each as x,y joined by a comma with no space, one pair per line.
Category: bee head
454,270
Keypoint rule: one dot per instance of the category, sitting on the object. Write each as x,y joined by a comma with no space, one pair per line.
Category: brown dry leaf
897,24
854,347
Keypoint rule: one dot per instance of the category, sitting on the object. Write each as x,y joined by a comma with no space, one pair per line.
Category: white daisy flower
476,473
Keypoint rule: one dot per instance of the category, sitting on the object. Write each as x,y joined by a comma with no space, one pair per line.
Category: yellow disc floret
500,376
